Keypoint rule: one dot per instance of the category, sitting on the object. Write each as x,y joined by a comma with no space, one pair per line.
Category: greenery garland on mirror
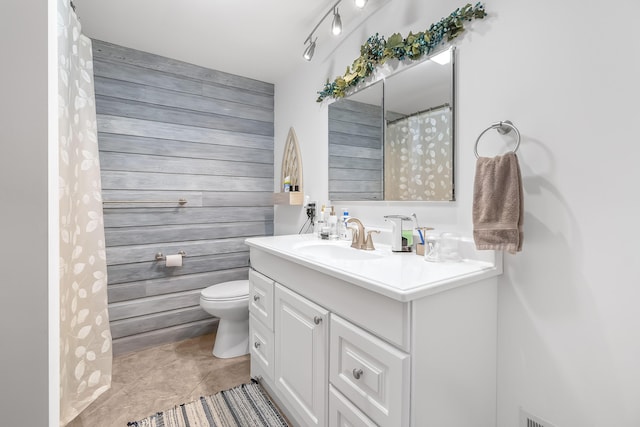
376,50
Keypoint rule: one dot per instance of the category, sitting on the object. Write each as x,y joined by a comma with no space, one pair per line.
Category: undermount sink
332,250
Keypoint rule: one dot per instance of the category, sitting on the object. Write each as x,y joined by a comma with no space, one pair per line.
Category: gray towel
498,204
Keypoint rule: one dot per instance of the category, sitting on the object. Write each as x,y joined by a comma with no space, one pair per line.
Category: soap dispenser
401,239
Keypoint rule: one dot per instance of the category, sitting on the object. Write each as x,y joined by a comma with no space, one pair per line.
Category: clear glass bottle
333,225
320,224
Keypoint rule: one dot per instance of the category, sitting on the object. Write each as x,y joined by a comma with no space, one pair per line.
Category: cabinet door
301,336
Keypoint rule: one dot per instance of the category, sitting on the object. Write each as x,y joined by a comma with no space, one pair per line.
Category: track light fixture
308,52
336,27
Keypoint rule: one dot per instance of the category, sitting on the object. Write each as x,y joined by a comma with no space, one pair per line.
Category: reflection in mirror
416,132
418,143
355,146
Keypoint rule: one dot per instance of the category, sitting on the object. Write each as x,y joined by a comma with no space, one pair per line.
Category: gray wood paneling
164,80
355,151
186,232
355,140
166,199
355,163
362,186
180,165
155,304
121,54
168,98
122,273
173,131
347,174
162,336
143,253
110,142
169,130
152,322
106,105
167,285
117,180
377,195
136,217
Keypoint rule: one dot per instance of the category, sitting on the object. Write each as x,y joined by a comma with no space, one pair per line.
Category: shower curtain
418,157
85,337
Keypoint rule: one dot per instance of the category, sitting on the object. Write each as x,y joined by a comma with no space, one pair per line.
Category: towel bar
503,128
181,202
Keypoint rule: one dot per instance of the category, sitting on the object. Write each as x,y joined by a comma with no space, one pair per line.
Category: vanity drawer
343,413
261,348
261,298
371,373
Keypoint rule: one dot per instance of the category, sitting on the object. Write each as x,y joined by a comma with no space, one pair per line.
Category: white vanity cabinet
343,354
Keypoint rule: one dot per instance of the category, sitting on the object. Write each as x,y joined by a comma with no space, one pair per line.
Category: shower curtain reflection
418,157
85,337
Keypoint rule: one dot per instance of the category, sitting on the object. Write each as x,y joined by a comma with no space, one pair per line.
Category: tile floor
155,379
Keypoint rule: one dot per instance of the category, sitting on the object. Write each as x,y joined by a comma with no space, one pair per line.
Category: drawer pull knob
357,373
256,297
256,344
317,320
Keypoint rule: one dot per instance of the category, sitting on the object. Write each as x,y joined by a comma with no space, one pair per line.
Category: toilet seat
227,291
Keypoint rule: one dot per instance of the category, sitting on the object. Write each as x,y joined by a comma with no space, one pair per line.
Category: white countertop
401,276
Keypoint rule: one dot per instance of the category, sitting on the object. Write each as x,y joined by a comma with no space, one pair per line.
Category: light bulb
360,3
308,52
336,26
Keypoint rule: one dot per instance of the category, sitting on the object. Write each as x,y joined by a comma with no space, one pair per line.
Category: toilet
229,301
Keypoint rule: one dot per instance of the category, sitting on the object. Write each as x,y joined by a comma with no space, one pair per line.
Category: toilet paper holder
160,256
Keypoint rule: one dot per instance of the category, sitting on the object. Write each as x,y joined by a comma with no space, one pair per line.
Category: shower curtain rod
437,107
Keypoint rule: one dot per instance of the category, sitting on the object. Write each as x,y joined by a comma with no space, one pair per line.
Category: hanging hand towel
498,204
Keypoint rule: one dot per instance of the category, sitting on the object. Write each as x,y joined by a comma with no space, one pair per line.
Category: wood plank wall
169,130
355,151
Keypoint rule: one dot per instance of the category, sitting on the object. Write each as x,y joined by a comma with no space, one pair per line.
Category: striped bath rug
246,405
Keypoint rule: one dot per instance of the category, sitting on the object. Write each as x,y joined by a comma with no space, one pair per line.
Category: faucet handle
368,244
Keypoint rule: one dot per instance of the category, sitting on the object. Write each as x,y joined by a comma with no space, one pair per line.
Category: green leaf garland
376,50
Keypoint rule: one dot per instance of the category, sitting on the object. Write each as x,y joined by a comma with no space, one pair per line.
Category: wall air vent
528,420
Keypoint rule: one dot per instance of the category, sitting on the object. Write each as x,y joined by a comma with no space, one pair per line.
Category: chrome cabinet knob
256,297
357,373
256,344
317,320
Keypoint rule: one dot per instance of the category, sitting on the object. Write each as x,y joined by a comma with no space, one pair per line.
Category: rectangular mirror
404,127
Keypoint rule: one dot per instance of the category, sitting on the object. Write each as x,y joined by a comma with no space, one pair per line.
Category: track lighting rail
321,20
336,27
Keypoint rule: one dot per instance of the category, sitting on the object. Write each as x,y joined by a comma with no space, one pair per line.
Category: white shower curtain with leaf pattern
85,337
418,157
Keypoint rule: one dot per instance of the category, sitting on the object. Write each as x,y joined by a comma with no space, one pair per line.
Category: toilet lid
227,290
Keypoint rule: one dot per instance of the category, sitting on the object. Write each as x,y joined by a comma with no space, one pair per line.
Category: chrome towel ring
503,128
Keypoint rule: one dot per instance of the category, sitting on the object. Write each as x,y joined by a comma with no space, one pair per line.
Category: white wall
566,73
27,380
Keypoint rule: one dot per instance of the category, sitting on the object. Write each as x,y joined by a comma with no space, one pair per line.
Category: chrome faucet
360,241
